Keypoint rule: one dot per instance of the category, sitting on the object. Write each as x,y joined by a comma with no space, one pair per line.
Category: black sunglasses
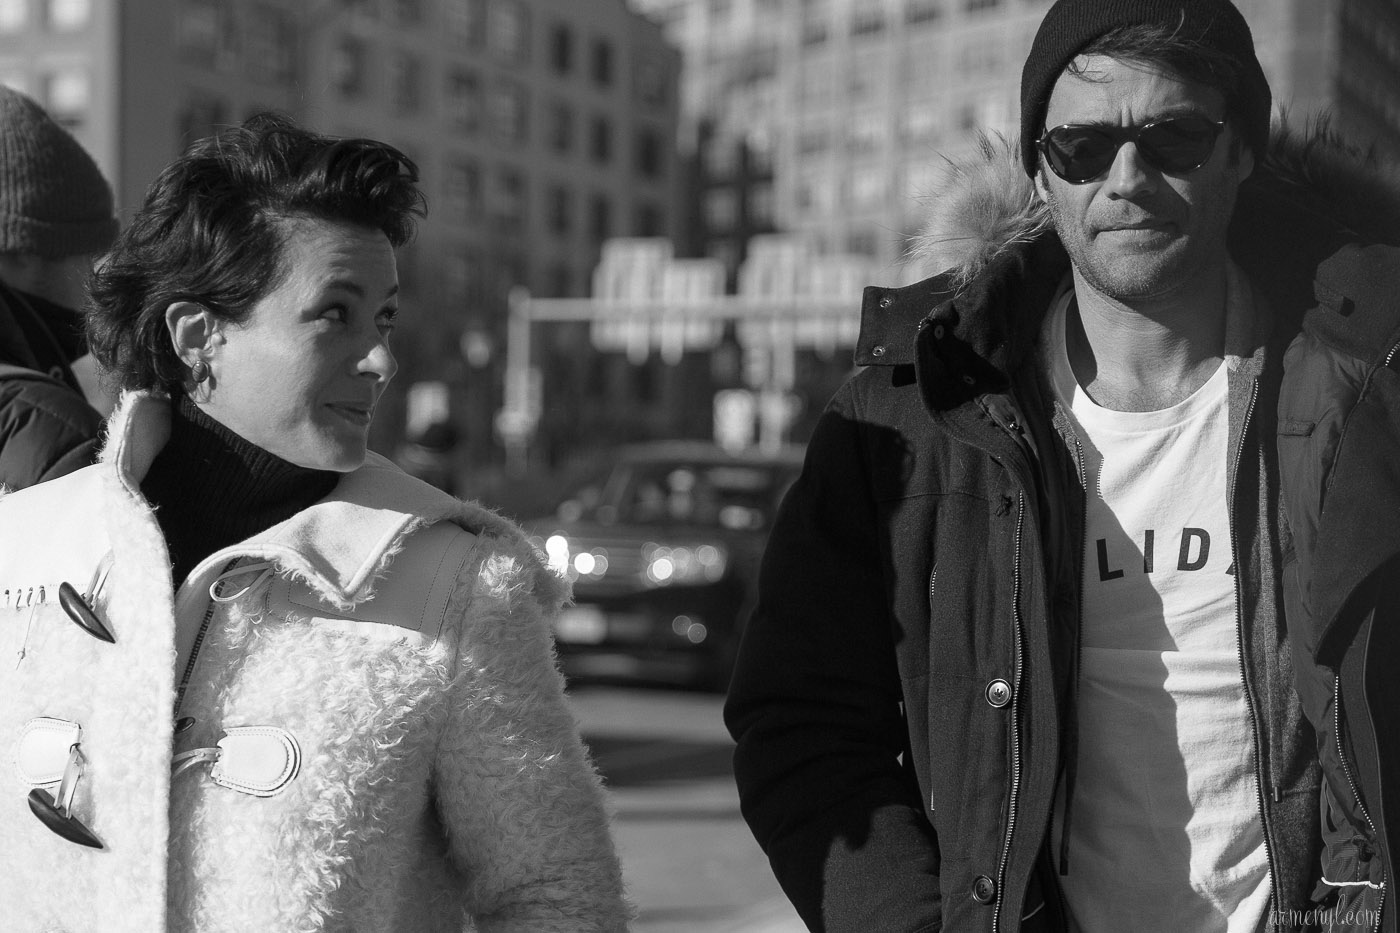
1080,152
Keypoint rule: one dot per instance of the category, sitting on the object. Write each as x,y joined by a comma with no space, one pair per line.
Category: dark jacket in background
47,428
903,703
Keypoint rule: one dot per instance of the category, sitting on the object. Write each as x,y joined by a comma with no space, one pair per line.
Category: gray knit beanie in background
54,201
1070,25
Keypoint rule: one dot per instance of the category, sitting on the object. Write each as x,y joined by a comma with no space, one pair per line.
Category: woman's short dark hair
212,230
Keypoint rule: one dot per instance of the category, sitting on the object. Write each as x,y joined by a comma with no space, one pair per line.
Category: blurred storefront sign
647,301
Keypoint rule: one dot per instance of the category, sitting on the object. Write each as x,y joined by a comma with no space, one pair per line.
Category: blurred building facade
849,105
541,128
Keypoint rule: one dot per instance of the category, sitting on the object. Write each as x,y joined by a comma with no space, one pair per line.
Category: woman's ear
194,331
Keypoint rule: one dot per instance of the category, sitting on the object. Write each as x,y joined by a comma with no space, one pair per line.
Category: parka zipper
1390,356
1244,670
1351,781
198,642
1015,716
1073,766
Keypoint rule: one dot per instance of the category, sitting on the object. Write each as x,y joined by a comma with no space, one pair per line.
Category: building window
407,12
205,31
464,100
561,280
509,105
13,14
406,82
600,140
560,207
507,201
651,221
922,11
651,84
508,30
466,21
602,62
68,95
867,18
271,50
198,118
721,210
69,15
561,126
760,204
600,218
462,274
349,60
721,158
561,48
651,154
461,191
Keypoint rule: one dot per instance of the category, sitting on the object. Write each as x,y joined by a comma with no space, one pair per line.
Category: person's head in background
259,279
56,212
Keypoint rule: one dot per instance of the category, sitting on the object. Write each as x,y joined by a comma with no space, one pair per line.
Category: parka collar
338,546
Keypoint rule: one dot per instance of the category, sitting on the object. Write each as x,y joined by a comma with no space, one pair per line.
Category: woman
258,678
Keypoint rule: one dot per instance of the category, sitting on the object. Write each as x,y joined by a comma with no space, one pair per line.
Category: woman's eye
337,313
386,320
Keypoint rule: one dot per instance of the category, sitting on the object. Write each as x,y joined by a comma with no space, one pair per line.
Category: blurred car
663,548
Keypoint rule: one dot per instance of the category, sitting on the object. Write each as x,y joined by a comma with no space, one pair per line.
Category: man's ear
1042,189
194,331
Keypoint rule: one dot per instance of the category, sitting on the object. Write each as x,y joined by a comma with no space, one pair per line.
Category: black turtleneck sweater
211,488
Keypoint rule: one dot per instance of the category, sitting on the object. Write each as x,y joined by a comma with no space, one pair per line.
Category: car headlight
664,566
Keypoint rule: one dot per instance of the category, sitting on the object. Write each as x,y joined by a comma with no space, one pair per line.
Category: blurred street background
639,280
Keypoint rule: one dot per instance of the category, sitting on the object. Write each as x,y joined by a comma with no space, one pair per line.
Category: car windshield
736,497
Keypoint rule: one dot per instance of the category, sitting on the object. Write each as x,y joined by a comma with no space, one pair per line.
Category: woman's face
301,376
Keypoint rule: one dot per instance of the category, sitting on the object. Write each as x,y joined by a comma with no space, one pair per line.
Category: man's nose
1130,176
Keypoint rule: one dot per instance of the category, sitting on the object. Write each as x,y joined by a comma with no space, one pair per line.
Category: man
1019,660
55,216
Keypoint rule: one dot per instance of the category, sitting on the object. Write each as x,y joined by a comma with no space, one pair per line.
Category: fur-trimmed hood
1311,193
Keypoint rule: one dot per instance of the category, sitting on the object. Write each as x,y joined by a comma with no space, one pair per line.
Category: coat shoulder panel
54,532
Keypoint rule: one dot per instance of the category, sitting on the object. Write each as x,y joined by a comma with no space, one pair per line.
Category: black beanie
1070,25
54,201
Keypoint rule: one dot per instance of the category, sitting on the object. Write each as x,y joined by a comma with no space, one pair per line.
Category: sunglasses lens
1179,145
1079,153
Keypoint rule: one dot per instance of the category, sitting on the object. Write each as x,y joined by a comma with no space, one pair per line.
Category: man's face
1136,232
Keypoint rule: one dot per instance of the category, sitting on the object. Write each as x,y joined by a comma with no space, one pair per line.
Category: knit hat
54,201
1070,25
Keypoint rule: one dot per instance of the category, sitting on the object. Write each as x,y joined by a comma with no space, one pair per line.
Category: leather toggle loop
264,570
80,612
56,811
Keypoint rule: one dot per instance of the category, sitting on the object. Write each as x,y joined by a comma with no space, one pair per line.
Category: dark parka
903,703
1339,448
47,429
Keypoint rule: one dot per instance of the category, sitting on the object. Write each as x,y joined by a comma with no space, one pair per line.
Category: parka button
886,301
998,693
984,889
938,332
877,351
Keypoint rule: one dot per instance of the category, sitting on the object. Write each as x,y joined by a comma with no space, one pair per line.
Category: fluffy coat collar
339,545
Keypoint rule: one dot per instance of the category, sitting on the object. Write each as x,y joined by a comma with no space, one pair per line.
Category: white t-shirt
1165,832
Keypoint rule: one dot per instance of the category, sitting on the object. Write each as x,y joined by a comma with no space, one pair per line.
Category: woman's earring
199,372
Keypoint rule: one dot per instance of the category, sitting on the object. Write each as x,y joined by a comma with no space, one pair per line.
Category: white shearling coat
403,645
